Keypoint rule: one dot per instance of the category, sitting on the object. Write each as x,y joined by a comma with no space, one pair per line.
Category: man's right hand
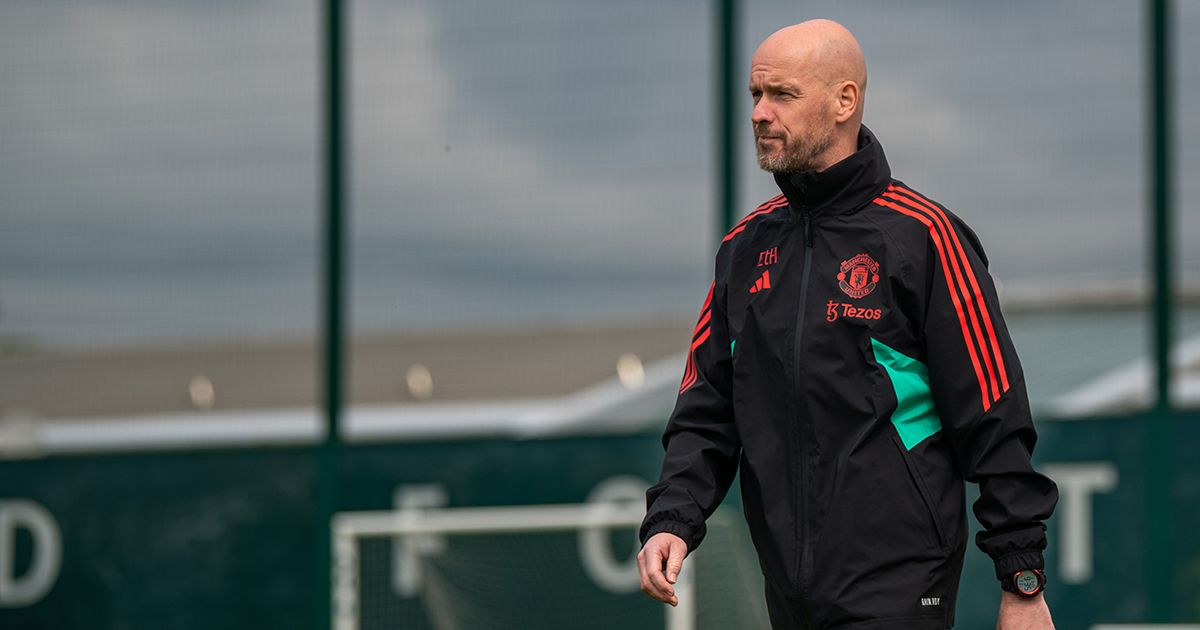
662,549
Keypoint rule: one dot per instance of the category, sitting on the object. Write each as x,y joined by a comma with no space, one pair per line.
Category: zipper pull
808,242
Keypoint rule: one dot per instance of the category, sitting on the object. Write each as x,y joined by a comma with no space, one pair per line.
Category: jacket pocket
919,483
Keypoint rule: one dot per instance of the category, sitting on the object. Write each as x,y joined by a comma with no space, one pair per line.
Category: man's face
793,116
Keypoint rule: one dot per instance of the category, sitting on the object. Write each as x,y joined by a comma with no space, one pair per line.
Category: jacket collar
843,187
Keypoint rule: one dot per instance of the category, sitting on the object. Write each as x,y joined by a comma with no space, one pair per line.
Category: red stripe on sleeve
703,321
766,208
939,230
689,375
978,295
962,320
699,336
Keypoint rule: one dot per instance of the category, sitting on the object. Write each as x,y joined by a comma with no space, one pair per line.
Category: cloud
527,154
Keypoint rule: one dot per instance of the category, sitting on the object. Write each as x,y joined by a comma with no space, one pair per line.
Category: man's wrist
670,527
1014,599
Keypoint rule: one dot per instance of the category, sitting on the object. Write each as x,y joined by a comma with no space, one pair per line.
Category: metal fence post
725,29
1159,453
325,470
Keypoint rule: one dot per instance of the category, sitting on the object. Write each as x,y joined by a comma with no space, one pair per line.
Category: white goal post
349,528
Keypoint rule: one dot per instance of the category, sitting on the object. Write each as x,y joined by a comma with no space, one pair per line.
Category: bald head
821,47
808,82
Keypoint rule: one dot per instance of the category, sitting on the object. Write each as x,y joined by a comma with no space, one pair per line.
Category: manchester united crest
858,276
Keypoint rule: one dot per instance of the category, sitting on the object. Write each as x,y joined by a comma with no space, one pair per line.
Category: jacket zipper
805,555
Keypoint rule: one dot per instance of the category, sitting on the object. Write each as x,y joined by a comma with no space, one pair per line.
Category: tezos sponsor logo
834,310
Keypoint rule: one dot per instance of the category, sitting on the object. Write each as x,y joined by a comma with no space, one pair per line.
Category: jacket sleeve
979,390
701,440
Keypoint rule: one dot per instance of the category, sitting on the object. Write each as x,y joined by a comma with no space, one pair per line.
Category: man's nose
761,114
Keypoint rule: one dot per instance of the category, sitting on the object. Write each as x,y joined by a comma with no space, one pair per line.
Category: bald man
852,363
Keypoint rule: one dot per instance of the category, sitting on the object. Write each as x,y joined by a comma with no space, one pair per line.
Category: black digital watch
1026,583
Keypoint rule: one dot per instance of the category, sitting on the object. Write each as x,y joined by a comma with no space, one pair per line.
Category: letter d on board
30,587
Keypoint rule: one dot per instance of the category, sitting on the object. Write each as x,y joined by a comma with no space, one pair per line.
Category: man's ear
847,101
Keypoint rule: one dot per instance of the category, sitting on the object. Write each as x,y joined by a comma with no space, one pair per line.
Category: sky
522,163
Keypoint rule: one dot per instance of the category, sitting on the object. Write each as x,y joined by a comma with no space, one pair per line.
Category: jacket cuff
1009,564
671,527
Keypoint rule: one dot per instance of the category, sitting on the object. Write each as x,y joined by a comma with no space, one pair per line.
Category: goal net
531,567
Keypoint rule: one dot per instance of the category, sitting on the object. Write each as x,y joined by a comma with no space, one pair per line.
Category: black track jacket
851,360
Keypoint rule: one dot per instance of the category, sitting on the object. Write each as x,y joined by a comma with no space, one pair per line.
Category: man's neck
844,147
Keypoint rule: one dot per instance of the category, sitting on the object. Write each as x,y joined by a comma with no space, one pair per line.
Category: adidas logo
763,283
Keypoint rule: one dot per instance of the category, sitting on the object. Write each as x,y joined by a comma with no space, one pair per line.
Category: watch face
1027,582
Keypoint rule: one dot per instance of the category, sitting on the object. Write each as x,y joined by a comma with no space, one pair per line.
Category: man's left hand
1020,613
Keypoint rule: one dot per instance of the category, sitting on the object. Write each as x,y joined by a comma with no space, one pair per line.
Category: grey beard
782,163
794,161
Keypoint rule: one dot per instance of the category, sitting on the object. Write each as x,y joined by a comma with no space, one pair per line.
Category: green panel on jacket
915,417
